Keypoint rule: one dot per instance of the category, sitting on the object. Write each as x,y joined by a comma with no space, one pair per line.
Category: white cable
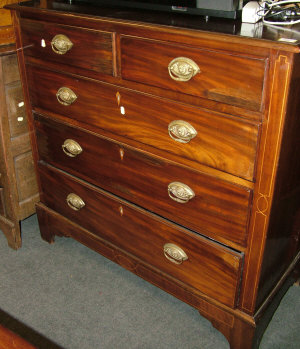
268,5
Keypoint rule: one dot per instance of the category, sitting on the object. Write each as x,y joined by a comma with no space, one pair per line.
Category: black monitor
214,8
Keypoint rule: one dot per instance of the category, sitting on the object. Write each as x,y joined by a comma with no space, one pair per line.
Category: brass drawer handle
61,44
75,202
71,148
182,69
174,253
66,96
181,131
180,192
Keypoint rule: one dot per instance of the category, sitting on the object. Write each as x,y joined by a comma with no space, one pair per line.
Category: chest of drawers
18,186
170,149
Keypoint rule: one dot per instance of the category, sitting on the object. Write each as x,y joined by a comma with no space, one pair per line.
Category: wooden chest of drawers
172,151
18,185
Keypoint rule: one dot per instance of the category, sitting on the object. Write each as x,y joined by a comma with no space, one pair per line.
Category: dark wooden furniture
18,185
171,146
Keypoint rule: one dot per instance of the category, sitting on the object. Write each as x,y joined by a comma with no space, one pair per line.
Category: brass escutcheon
174,253
75,202
180,192
71,148
65,96
61,44
181,131
183,69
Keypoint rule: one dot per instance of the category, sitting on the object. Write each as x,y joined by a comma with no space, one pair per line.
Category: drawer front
16,110
70,46
218,209
10,69
209,267
219,76
25,176
217,141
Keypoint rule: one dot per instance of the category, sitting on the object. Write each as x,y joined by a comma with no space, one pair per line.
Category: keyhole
118,96
122,108
122,153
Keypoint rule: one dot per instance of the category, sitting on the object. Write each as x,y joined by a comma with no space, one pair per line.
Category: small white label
21,104
43,43
20,118
122,110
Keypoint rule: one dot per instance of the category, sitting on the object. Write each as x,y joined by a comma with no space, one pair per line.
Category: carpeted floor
80,300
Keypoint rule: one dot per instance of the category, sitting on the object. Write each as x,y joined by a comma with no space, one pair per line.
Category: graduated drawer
219,141
210,267
218,209
229,78
70,46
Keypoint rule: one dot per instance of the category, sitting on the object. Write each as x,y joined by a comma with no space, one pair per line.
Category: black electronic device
215,8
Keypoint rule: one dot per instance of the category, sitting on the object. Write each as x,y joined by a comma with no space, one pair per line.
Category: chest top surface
231,30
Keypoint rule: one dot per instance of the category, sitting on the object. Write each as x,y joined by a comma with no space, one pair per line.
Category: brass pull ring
182,69
65,96
180,192
61,44
71,148
75,202
181,131
174,253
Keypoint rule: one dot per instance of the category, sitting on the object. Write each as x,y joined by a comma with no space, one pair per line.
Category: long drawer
223,77
207,266
70,46
200,202
191,136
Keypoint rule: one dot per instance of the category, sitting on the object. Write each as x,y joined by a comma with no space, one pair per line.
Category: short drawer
223,77
188,135
202,203
198,262
70,46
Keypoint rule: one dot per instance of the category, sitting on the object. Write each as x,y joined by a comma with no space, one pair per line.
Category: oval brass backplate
181,131
174,253
180,192
75,202
183,69
61,44
71,148
65,96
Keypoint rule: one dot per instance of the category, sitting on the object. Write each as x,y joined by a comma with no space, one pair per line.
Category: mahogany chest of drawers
171,148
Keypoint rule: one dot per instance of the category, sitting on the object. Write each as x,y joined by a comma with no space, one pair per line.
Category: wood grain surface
219,209
143,234
91,50
222,76
224,143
